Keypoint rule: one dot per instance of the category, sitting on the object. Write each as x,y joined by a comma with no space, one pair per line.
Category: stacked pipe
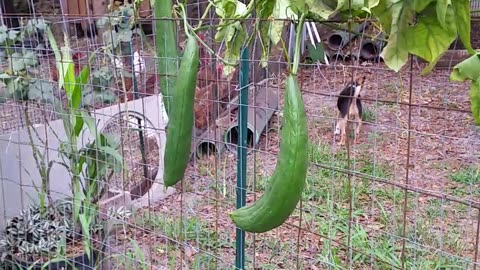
341,38
217,137
265,104
371,48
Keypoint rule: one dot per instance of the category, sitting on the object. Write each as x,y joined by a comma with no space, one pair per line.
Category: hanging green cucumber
180,123
286,185
288,181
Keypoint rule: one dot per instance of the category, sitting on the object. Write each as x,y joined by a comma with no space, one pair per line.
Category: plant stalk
298,42
205,14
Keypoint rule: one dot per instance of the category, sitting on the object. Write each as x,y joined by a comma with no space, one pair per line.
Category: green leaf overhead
383,13
441,7
299,6
475,101
425,28
281,11
469,69
427,39
396,18
420,5
323,8
343,5
462,17
264,25
233,33
372,3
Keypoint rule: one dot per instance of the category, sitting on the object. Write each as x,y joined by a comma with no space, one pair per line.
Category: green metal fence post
242,155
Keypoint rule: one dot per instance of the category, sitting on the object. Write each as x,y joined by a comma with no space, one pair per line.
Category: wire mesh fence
404,196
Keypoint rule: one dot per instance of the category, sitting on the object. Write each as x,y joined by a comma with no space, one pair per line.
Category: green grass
368,115
375,222
466,176
391,87
190,228
326,203
468,183
199,234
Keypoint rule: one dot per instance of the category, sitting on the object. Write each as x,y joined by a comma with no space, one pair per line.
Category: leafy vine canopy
425,28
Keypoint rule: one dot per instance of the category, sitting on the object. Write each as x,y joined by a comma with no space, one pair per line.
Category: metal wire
377,204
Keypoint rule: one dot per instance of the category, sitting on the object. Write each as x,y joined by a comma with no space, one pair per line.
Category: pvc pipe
371,49
338,40
341,38
210,143
266,102
338,56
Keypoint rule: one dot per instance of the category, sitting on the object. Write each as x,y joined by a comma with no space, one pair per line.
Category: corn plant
45,230
95,163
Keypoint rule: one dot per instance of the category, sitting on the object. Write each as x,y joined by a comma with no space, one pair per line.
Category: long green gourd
286,185
288,181
180,124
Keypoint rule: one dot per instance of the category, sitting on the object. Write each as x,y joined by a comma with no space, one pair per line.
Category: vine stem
285,52
205,14
184,18
298,39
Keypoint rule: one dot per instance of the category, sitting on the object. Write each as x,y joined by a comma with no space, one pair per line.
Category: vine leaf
20,62
343,5
383,13
271,32
229,8
431,65
441,7
475,100
427,39
420,5
324,8
300,6
396,18
41,90
469,69
233,34
16,62
233,51
3,36
92,97
265,10
281,12
372,3
12,34
30,58
462,14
